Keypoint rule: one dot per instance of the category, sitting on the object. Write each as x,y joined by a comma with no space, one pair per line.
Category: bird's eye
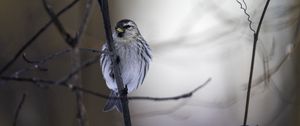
127,26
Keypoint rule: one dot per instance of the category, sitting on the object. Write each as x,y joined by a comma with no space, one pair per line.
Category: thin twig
34,37
76,80
78,69
49,57
32,80
115,68
91,50
81,111
18,110
185,95
67,37
256,35
246,13
37,63
28,60
85,19
96,94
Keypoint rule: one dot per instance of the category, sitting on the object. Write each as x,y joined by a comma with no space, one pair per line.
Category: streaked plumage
134,58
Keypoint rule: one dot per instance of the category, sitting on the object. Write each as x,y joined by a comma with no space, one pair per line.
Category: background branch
246,13
17,113
75,57
34,37
67,37
36,64
100,95
85,20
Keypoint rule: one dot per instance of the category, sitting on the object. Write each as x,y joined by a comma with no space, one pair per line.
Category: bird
133,57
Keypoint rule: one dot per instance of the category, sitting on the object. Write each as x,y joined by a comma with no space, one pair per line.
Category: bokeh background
192,40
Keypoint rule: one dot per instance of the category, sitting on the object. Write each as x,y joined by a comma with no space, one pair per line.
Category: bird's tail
112,103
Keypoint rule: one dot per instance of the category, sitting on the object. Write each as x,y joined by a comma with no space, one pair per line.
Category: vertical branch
81,115
75,56
116,70
85,19
17,113
76,62
256,35
76,80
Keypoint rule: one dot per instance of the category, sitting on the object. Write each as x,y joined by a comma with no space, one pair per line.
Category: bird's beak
120,30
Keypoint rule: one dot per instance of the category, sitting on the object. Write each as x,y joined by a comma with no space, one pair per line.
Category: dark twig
91,50
245,12
256,35
78,69
28,60
67,37
76,80
32,80
81,111
35,36
85,19
73,87
18,110
49,57
37,63
116,70
185,95
75,55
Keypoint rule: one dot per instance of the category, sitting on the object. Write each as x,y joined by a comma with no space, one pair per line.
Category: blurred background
191,40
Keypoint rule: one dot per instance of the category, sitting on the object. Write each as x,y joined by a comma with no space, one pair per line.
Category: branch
84,22
68,77
34,37
100,95
185,95
246,13
17,113
67,37
37,63
115,68
81,110
256,35
91,50
75,56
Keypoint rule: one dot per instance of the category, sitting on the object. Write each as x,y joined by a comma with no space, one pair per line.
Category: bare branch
185,95
73,87
91,50
75,55
246,13
35,36
78,69
67,37
18,110
256,35
81,111
122,90
27,60
37,63
85,19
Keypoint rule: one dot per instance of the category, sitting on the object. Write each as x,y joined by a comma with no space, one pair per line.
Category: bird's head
126,30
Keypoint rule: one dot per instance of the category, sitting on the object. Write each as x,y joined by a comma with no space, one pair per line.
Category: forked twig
34,37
